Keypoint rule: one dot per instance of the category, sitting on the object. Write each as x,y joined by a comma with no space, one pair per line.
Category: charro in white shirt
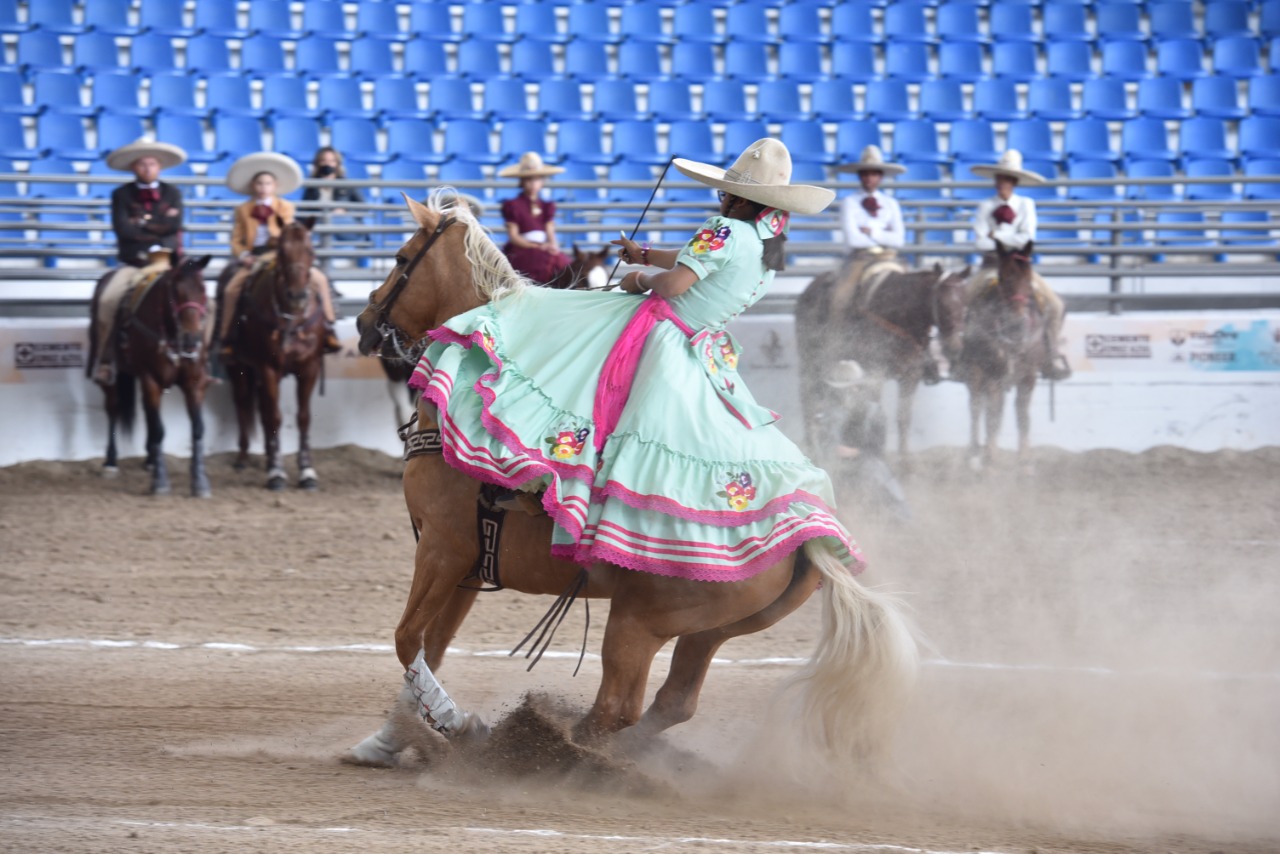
1013,235
862,230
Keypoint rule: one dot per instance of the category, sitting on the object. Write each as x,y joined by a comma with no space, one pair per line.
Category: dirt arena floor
1102,675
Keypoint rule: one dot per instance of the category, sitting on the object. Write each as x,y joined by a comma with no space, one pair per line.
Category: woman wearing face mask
328,166
531,231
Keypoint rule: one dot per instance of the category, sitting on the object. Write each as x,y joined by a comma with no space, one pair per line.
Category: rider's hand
630,252
631,283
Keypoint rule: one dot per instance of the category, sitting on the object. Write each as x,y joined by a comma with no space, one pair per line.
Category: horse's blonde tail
847,699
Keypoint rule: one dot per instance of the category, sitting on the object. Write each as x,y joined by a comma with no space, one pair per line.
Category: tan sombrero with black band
872,160
284,169
1010,164
530,166
123,158
761,174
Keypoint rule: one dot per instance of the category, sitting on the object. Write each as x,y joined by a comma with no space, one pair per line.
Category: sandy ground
1103,675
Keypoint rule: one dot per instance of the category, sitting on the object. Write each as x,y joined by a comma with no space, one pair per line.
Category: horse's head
588,268
948,310
447,267
1013,272
295,256
190,302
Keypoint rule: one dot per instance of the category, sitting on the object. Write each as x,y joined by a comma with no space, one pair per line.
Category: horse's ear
280,223
967,271
307,222
603,254
577,253
421,215
202,262
937,269
1029,249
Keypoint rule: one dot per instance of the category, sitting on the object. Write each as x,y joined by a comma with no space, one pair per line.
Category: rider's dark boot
1055,367
331,342
932,373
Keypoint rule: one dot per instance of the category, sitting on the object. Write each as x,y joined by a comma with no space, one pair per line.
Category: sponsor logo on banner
28,355
1101,346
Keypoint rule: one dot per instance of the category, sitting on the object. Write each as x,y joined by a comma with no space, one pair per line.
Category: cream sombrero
1010,164
872,160
123,158
761,174
287,172
530,166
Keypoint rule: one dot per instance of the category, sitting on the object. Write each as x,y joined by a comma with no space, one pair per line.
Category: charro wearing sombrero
531,246
256,223
1010,220
146,215
629,409
873,227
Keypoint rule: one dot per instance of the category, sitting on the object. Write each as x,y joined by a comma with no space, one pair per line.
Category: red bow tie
870,205
148,196
262,213
1004,215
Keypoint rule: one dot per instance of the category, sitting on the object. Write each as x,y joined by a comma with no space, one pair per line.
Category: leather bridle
382,317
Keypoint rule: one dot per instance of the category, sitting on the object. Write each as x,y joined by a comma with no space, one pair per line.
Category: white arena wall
1205,381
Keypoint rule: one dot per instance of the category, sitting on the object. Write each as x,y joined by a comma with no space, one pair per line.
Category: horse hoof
110,472
161,490
308,480
203,492
240,465
276,484
373,752
975,464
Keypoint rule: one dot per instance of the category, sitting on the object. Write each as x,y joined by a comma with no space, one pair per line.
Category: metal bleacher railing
1108,248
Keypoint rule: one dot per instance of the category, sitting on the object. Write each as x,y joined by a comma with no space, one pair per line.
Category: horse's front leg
907,388
1026,388
995,417
151,393
307,478
242,380
977,403
269,410
193,391
111,464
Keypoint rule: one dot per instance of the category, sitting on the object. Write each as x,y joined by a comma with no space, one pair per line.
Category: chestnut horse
278,330
159,338
847,694
1003,348
581,272
886,333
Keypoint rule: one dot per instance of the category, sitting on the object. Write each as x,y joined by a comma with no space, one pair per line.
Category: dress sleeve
711,248
548,212
509,210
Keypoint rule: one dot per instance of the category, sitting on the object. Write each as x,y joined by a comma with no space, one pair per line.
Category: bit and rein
382,318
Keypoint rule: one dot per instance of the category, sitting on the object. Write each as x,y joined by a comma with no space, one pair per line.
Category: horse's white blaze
597,278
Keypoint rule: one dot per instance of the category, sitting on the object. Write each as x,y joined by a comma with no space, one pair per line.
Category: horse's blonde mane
491,273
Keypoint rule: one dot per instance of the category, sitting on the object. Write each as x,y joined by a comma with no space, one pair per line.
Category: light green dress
694,480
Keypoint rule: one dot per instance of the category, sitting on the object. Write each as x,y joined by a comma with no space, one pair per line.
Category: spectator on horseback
326,166
871,218
264,177
146,215
1009,219
530,221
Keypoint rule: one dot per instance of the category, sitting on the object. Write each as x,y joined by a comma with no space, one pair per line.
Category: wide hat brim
889,169
794,198
1024,176
123,158
287,172
517,171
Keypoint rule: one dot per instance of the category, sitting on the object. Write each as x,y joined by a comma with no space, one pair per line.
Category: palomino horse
159,338
278,330
849,691
1003,347
886,332
581,272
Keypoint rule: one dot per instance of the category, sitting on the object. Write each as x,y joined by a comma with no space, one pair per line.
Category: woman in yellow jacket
256,224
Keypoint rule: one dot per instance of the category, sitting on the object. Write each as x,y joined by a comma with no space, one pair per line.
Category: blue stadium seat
832,101
521,135
1125,60
1269,18
800,23
357,140
231,96
974,140
209,55
220,20
371,59
116,93
1268,167
484,19
319,56
402,169
273,18
533,58
115,130
1249,236
800,62
919,170
907,61
671,100
12,99
692,140
917,139
779,101
747,22
590,22
413,140
186,132
726,101
1014,61
1092,169
632,172
1161,98
615,100
456,171
323,19
1066,22
1179,58
942,100
906,22
1218,97
432,21
164,18
1172,20
1236,57
562,99
1050,98
690,22
806,141
997,100
1087,139
425,59
1150,169
150,52
1106,98
261,55
296,136
1204,138
60,91
640,61
451,98
1069,60
238,135
853,62
1264,95
12,143
64,135
56,16
479,59
888,100
1211,192
1146,139
283,95
578,140
397,98
747,60
961,170
1034,138
853,136
853,22
637,141
341,97
538,22
587,60
961,61
959,22
1119,21
95,51
585,173
505,99
52,165
1180,236
1226,19
1011,22
739,135
378,21
175,93
40,50
1049,169
9,22
469,139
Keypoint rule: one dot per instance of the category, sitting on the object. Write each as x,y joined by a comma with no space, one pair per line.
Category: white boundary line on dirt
227,646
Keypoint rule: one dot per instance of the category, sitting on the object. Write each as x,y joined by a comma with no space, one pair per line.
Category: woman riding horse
530,221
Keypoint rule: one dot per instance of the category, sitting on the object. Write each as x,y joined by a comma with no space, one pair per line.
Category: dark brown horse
1003,348
159,338
278,330
579,272
887,334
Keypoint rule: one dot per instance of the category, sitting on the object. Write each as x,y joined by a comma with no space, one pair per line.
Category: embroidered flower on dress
487,342
739,491
728,356
567,444
708,240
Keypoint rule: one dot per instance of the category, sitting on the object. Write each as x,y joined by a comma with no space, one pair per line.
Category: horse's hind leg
151,392
307,478
995,417
242,393
193,391
629,647
269,411
1026,387
111,464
